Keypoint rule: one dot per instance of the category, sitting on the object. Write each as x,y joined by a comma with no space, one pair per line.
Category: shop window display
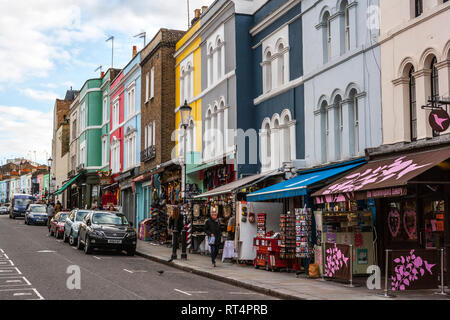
402,220
434,224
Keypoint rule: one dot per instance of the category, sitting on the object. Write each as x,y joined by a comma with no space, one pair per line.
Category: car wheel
71,239
87,246
131,252
79,245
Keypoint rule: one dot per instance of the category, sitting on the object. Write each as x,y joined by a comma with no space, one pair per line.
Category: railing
72,173
80,167
148,154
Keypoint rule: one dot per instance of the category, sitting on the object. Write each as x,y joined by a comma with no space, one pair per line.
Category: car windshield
80,215
38,209
22,202
63,217
108,218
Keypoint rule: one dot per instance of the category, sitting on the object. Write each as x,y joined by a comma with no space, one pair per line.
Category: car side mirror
131,224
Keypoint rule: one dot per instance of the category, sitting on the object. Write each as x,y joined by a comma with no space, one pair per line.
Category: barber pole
189,235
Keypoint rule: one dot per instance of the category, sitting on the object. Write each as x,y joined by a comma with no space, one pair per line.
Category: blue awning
298,186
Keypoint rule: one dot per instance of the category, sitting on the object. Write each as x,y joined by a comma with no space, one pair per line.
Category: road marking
22,294
198,292
7,263
5,271
128,271
46,251
244,293
38,294
97,258
183,292
1,250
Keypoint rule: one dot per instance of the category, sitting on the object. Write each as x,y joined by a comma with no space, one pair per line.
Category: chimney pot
197,13
134,51
103,74
204,8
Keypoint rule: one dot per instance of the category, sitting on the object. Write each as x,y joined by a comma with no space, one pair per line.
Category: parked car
107,230
19,204
4,211
36,214
57,224
72,225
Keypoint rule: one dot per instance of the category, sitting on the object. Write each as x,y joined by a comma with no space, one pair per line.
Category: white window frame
105,110
83,153
131,105
104,151
115,113
152,83
147,84
83,117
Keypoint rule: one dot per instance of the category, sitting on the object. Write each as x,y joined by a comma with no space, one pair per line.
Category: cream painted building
415,64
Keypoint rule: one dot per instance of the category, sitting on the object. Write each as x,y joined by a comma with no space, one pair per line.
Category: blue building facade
276,83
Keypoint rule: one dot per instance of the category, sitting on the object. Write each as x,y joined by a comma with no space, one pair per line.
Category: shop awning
238,184
298,186
382,178
64,187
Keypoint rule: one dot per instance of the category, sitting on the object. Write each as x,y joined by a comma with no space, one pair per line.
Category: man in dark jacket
176,224
212,229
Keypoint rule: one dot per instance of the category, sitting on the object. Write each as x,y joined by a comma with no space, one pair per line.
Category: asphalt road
34,265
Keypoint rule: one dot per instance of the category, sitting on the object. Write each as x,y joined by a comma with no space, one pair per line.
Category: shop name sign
388,192
439,120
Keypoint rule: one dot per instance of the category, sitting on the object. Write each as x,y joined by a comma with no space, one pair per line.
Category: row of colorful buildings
23,176
275,86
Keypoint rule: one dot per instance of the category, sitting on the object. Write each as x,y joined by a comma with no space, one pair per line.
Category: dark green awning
66,185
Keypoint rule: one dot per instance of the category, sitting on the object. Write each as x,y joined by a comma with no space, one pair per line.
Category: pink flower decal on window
408,270
335,259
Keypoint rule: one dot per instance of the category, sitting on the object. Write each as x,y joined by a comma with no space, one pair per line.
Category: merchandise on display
303,229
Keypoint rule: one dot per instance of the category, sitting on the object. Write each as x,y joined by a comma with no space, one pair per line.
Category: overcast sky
47,46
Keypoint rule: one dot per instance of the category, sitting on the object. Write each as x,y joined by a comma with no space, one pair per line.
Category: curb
256,288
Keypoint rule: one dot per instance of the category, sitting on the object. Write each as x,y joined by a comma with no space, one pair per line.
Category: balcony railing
80,167
148,154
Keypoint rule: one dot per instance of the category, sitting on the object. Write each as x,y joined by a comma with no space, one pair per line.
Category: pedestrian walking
58,207
212,229
176,225
50,214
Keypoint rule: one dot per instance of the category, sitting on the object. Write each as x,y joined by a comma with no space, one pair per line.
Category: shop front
226,201
290,236
410,191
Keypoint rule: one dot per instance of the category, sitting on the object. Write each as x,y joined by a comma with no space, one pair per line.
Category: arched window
219,59
412,105
211,66
190,137
434,79
324,130
345,27
276,156
208,134
266,146
354,122
286,136
268,72
215,128
326,37
338,126
281,64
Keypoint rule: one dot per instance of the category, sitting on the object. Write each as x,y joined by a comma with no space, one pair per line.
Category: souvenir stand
348,224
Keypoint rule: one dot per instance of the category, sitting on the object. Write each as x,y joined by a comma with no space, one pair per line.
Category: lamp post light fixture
185,113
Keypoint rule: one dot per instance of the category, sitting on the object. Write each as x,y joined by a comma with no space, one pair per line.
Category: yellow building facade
188,88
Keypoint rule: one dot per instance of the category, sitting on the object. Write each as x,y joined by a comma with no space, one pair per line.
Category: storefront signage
337,261
439,120
414,269
385,193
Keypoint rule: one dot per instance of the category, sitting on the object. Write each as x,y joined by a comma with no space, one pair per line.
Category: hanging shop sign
439,120
414,269
337,261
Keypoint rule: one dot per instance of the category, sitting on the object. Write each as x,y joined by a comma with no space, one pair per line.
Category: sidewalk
282,285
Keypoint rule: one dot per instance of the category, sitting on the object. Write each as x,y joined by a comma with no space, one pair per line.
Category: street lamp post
185,112
50,161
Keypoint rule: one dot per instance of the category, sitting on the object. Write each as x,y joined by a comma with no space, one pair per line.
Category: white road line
46,251
128,271
38,294
6,263
183,292
22,294
26,280
198,292
97,258
1,250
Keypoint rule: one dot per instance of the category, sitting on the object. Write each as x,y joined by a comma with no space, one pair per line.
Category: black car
106,230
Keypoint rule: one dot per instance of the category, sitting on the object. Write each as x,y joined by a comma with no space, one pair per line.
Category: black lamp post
50,162
185,112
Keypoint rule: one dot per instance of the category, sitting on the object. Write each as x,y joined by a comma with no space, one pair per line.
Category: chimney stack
197,13
103,74
204,8
134,51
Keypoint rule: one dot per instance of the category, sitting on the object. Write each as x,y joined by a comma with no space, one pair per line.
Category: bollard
442,286
351,285
386,293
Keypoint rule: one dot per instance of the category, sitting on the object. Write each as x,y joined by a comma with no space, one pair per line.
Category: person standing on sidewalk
212,229
176,225
50,214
